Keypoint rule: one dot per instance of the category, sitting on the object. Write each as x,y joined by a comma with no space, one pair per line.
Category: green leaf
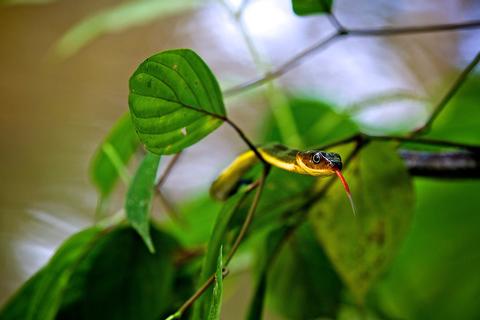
360,247
121,279
41,296
435,275
460,120
118,18
175,101
306,7
112,156
139,197
216,305
301,282
217,240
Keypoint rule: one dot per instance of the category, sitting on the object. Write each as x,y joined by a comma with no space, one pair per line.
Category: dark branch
414,29
451,165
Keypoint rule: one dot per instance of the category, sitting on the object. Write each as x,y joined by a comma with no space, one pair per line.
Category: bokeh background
58,99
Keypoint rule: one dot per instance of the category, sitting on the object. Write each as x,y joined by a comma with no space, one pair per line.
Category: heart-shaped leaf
175,101
360,247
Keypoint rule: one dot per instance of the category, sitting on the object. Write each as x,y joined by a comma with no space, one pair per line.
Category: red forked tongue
347,190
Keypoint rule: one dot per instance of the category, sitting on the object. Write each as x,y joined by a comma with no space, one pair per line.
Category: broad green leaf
435,275
360,247
306,7
460,120
41,296
218,239
112,156
118,18
139,197
121,279
175,101
216,305
301,282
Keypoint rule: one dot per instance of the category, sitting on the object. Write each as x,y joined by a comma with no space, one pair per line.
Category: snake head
319,163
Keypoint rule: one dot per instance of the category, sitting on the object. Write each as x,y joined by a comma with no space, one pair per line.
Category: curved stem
449,95
250,214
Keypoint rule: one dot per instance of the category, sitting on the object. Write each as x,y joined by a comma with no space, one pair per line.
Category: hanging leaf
175,101
139,197
361,247
216,305
112,156
306,7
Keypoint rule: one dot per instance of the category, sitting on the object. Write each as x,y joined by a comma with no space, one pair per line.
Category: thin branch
168,170
169,208
424,141
195,296
250,214
336,23
284,68
450,93
341,31
245,139
414,29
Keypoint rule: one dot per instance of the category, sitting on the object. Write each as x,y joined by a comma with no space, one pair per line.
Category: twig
448,96
169,208
195,296
250,214
341,31
168,170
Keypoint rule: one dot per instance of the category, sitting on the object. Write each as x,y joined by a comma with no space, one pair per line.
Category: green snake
312,162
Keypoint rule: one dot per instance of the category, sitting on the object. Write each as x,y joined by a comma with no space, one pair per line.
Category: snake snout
334,159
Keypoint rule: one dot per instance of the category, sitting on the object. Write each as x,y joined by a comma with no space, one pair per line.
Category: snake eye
316,158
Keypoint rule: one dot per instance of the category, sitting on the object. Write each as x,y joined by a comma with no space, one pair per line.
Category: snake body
311,162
